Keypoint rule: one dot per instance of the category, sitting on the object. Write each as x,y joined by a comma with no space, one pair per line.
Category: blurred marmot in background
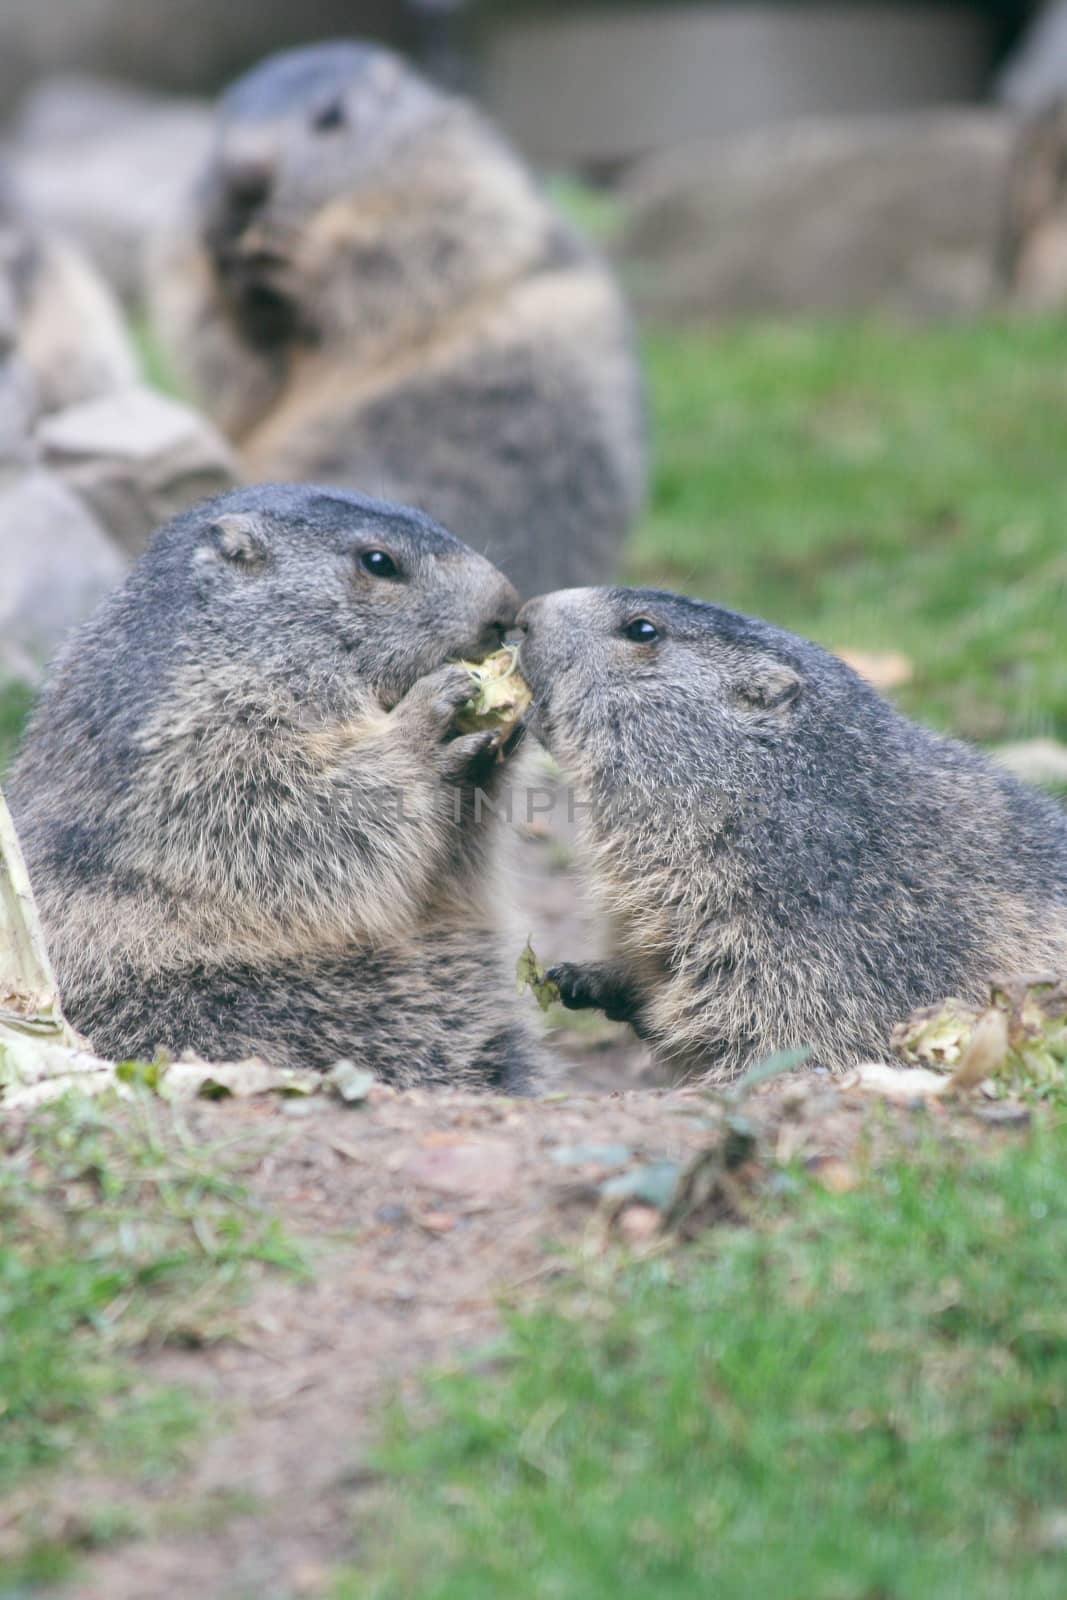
66,330
783,858
229,798
370,290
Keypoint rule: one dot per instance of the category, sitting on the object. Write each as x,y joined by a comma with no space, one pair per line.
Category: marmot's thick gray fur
369,289
782,857
230,797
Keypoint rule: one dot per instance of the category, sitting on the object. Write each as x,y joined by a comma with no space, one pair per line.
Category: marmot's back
370,290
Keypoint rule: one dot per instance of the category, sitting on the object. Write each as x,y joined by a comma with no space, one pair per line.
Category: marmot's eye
641,631
378,564
330,117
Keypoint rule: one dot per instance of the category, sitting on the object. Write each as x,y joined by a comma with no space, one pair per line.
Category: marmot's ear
769,685
235,538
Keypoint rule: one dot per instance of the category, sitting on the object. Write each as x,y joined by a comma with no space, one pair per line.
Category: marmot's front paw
593,987
471,758
581,987
428,711
432,702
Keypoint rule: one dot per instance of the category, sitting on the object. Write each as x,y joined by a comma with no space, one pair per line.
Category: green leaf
531,975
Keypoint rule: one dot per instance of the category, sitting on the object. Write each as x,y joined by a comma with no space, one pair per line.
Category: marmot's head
308,596
650,692
296,134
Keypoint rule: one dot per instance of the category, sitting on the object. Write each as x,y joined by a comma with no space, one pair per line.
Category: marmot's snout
554,631
247,184
252,272
547,612
501,610
242,185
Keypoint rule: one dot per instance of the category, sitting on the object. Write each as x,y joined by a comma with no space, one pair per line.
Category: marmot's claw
576,991
462,758
594,987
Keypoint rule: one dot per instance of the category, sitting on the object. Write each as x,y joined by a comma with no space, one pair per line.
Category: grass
115,1231
877,488
15,702
155,363
869,487
861,1402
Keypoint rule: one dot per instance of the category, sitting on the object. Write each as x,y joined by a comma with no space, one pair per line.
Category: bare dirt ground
422,1213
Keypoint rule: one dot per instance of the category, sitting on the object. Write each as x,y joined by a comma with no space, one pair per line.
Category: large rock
57,563
898,214
605,83
18,408
56,312
1034,251
178,47
137,459
59,111
108,166
1036,72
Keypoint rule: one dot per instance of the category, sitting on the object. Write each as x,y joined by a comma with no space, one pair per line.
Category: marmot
230,797
368,289
782,857
67,330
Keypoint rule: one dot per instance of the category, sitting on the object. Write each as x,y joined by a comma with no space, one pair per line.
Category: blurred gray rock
18,408
72,106
108,166
137,459
177,47
57,564
897,214
1036,72
56,312
1034,250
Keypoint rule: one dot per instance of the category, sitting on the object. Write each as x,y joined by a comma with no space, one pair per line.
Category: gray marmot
369,289
782,857
231,802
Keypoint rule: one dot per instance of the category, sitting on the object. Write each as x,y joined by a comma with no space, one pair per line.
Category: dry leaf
835,1176
219,1080
1040,761
903,1084
638,1223
29,1000
437,1221
985,1052
350,1083
885,669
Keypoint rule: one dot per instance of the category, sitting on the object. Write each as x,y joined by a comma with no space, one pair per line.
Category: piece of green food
500,695
936,1036
531,975
1030,1037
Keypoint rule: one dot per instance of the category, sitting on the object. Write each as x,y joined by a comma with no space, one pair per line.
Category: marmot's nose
249,181
501,606
528,614
504,605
